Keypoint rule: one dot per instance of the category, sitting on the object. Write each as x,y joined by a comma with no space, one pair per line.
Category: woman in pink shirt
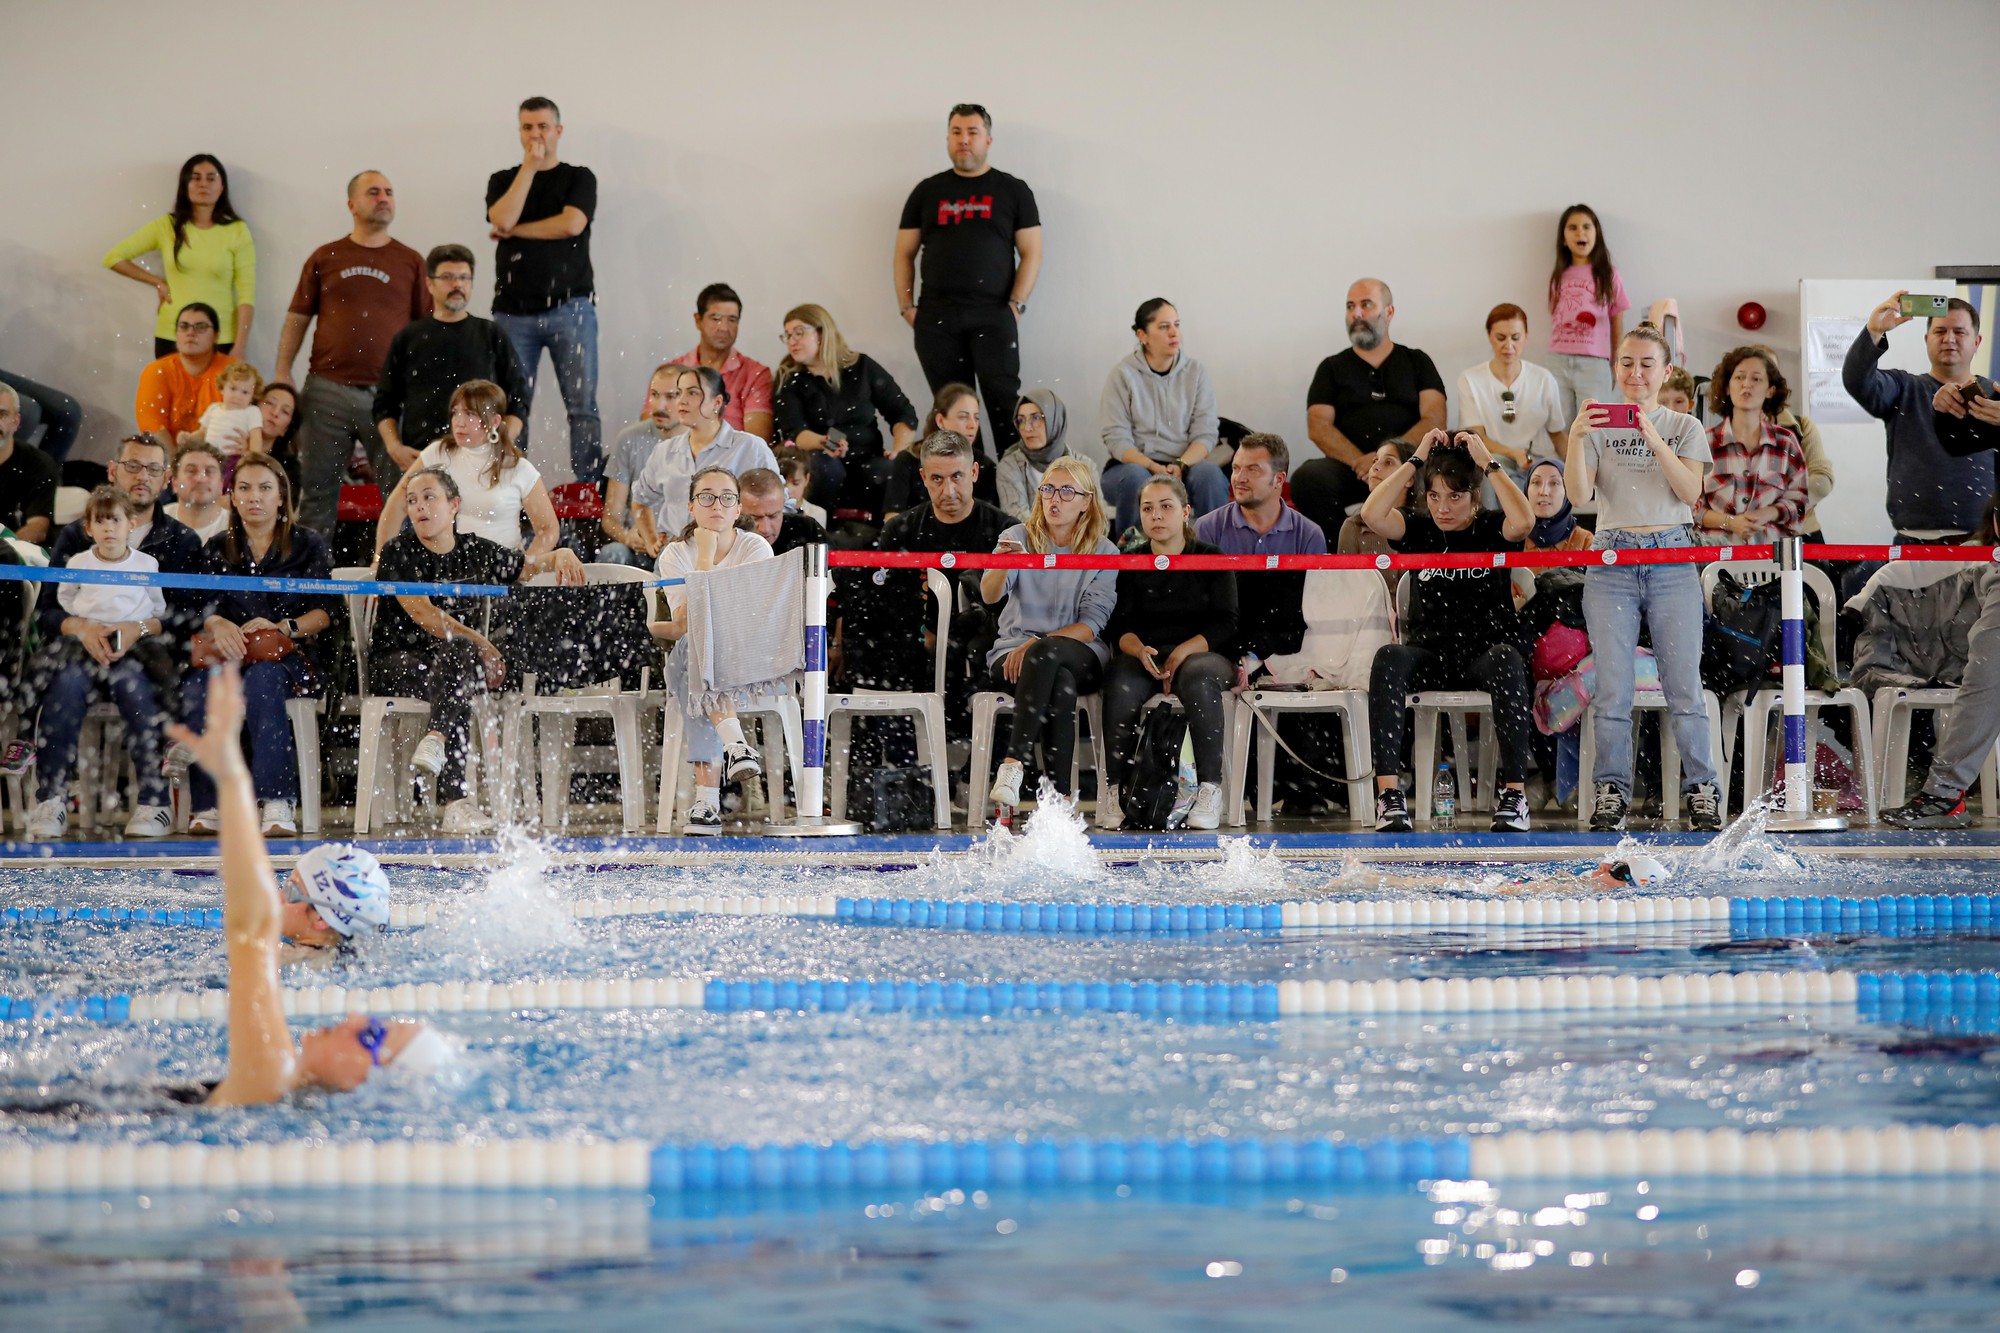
1587,305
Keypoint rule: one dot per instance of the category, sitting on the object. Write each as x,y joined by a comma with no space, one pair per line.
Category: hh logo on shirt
363,271
953,211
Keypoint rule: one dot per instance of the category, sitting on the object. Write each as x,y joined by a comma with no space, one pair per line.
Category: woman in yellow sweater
207,254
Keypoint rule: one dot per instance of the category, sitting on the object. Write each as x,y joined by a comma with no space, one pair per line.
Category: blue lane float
205,918
1883,914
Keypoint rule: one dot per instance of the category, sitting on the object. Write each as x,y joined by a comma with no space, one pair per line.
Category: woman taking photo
1165,629
426,647
827,400
1646,479
1159,419
717,537
269,635
1040,420
1462,627
1050,648
1760,483
496,481
704,441
206,253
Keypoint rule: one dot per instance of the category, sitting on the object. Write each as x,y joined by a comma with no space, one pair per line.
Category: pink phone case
1623,416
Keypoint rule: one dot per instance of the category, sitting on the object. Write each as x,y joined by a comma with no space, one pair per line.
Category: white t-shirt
111,603
1537,407
1632,491
492,512
207,530
228,428
677,562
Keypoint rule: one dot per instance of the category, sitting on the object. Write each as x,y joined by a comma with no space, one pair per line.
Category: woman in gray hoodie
1159,419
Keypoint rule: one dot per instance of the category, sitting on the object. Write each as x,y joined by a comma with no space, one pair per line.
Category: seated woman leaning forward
265,1063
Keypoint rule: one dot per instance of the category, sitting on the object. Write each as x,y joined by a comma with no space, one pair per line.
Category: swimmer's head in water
341,1057
335,893
1635,868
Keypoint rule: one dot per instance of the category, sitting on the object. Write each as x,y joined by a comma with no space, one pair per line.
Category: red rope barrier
1672,555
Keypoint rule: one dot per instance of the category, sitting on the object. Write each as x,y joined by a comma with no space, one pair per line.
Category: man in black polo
430,357
969,224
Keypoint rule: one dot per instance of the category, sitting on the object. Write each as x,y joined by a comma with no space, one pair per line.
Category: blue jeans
1207,490
1669,597
68,697
701,743
43,406
569,332
267,729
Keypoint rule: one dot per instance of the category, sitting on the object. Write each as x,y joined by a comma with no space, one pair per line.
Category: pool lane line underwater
1972,996
668,1169
1756,915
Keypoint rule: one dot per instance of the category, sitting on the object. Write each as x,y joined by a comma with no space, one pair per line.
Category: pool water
1620,1253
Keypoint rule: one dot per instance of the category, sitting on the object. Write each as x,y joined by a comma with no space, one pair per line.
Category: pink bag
1558,651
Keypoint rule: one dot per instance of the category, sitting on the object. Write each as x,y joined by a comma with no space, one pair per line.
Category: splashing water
517,914
1745,848
1054,843
1249,869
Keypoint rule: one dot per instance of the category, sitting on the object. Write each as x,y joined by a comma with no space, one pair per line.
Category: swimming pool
1219,1120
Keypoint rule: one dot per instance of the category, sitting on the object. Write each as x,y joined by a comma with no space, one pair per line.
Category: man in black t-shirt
430,357
969,223
1375,390
544,295
27,478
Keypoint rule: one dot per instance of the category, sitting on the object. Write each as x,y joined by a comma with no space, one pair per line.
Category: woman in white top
496,482
1646,477
660,491
716,538
1514,405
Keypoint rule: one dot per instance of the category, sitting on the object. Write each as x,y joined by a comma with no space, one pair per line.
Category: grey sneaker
1927,811
703,819
1392,811
1510,814
1704,807
1608,810
741,763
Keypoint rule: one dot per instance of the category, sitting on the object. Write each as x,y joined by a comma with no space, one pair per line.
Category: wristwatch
290,627
1492,465
1020,307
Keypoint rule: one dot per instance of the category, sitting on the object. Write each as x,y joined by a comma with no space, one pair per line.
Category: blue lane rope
1166,999
206,918
264,583
1031,918
1900,913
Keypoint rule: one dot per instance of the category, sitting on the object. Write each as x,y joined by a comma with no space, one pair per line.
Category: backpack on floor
1741,641
1153,782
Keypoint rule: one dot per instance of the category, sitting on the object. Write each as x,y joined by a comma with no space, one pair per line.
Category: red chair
359,504
577,500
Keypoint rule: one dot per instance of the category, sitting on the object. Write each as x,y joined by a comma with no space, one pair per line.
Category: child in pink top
1587,304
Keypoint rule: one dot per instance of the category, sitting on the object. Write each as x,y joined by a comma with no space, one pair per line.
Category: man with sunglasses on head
1376,390
176,389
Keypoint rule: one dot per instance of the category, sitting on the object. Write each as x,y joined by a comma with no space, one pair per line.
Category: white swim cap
347,885
424,1054
1636,868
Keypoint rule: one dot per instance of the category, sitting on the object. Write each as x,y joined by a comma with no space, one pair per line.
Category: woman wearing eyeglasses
827,401
1514,405
716,537
1050,648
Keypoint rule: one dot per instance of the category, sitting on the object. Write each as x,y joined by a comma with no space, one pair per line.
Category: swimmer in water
1626,867
265,1063
335,895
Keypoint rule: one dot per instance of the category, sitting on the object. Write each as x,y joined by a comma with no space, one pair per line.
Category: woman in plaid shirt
1756,490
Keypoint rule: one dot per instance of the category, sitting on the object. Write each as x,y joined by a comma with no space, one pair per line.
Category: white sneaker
429,758
48,820
462,817
1110,816
205,821
703,819
1007,783
1207,812
150,821
740,762
276,818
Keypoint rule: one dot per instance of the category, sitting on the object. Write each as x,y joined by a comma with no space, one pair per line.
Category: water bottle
1444,800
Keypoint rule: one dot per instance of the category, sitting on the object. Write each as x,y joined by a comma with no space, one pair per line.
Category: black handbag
1152,782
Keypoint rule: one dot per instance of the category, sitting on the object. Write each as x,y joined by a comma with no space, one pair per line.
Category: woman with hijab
1040,419
1556,527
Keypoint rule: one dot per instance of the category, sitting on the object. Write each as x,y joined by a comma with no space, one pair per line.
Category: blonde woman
1050,647
828,397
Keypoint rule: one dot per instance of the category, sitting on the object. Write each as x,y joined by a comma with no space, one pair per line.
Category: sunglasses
1507,405
371,1036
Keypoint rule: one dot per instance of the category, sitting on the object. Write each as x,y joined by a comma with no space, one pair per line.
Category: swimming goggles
1618,870
372,1035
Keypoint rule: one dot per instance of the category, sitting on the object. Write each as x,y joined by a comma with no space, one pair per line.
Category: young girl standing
1587,305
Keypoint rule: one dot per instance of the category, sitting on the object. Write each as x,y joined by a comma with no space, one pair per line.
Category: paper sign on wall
1827,341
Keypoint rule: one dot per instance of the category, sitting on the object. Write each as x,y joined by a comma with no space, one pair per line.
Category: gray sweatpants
332,417
1967,738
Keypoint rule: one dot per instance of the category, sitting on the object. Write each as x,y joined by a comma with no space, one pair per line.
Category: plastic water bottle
1444,800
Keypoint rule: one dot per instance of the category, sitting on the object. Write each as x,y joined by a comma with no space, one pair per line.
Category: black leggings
1055,671
448,678
1199,685
1402,667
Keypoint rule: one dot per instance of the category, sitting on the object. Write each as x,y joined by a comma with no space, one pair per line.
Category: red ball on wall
1750,315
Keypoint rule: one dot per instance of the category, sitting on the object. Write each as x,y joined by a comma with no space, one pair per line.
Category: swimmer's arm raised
263,1059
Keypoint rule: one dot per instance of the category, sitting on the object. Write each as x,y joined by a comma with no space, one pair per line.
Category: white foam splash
517,913
1745,848
1249,869
1054,841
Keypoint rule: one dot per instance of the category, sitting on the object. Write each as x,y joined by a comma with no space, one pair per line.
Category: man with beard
429,358
1374,391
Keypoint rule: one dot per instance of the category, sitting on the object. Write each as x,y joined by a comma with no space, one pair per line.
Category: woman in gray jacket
1159,419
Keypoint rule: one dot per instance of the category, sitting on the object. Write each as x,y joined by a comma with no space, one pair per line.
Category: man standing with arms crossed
362,288
969,223
544,293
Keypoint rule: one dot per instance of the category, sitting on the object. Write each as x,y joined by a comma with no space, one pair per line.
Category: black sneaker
1704,807
1392,811
1607,812
740,763
1511,814
1929,811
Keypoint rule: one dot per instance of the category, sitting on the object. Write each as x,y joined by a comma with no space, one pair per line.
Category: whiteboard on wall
1833,310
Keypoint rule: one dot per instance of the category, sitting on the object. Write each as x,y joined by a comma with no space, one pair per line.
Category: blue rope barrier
1164,999
1891,914
207,918
1032,918
264,583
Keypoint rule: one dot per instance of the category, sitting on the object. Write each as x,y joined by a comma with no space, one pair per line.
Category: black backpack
1152,782
1743,636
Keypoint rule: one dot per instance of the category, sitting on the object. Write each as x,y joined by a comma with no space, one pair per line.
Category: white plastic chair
1350,706
1892,710
1427,709
926,708
304,716
987,706
1757,706
548,724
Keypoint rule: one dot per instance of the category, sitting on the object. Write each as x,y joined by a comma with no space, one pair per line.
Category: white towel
746,631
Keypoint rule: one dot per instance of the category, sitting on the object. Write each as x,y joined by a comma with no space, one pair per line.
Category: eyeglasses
193,328
710,500
370,1038
143,469
1507,405
1063,493
795,335
1031,419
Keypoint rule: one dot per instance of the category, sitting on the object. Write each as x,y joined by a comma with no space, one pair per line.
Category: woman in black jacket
1164,629
827,399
